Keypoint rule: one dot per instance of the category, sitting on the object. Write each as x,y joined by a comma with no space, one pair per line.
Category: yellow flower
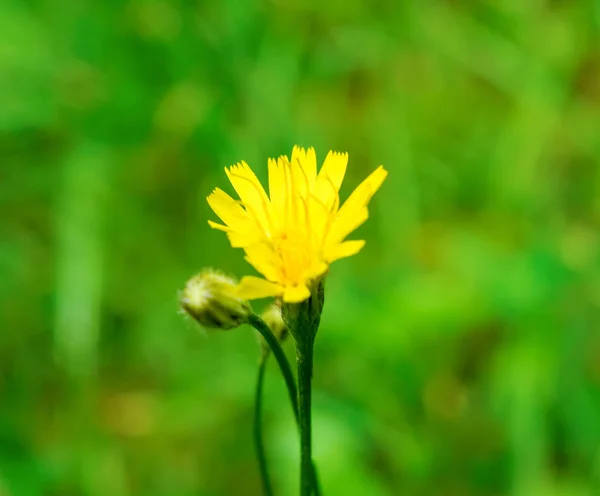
292,236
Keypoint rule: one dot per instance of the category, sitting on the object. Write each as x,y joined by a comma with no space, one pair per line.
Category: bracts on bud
210,298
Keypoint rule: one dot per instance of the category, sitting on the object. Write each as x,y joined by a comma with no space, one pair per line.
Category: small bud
272,317
211,299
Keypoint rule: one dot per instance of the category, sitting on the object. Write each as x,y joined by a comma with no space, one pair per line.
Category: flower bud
211,299
272,317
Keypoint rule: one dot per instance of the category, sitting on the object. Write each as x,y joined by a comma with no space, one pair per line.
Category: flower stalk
304,356
257,428
303,321
282,361
309,472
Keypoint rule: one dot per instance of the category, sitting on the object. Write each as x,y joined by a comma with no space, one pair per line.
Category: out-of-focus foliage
459,353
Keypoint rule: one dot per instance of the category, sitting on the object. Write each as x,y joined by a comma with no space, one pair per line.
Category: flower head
212,300
292,235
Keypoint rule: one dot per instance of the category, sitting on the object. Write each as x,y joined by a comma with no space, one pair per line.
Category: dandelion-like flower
292,236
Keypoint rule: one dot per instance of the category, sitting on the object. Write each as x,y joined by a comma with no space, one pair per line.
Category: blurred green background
459,353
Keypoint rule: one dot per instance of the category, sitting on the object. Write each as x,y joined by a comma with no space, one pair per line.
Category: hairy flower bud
211,299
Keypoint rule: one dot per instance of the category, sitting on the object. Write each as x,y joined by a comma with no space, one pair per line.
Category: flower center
294,255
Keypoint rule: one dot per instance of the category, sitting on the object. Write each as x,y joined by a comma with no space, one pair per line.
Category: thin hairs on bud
211,299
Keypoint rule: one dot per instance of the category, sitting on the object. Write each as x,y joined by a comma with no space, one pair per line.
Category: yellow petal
295,190
239,239
285,206
252,288
296,294
277,189
330,177
317,270
242,230
307,160
310,166
321,220
215,225
354,212
228,210
300,182
252,194
365,190
242,240
345,224
262,257
345,249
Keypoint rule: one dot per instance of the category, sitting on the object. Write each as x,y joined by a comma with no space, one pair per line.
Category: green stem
288,376
304,353
260,449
